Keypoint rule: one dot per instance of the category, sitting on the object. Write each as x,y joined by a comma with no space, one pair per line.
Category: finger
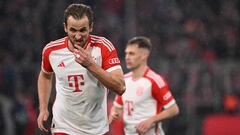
41,126
140,132
88,49
76,55
44,129
139,128
45,117
110,120
78,47
41,121
75,51
115,116
80,51
79,54
85,51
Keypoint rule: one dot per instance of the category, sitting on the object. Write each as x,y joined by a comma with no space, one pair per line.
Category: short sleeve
118,101
110,58
46,66
163,95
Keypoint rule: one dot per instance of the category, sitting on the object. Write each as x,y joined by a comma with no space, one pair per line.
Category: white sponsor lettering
114,61
167,96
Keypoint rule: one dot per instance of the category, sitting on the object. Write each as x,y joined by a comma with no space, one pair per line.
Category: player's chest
137,91
63,62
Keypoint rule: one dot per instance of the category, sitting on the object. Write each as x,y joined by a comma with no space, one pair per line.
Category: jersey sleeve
110,58
46,66
118,101
163,95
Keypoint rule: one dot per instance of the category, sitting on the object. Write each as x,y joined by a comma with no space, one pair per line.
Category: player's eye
131,53
73,30
83,30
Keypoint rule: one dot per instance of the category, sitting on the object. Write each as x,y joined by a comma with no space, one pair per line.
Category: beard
80,42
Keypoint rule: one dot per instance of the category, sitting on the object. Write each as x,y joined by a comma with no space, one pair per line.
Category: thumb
45,117
110,120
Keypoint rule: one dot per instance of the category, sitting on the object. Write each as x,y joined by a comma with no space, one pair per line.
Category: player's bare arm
44,91
145,125
112,80
167,113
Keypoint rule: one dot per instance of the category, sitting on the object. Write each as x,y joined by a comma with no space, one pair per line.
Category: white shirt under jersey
80,104
143,98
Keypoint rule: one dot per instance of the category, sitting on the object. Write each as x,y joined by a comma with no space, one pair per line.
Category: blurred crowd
196,47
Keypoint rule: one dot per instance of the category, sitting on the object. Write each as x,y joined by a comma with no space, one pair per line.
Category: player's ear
91,27
145,54
65,27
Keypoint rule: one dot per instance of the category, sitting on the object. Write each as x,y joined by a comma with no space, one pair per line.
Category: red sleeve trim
52,46
160,90
118,101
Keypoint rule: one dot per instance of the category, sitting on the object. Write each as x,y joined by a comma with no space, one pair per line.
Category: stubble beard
81,45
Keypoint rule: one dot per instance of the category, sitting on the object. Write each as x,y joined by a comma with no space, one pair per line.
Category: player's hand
42,118
144,126
83,56
113,116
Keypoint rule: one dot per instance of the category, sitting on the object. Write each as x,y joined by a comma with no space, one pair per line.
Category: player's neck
139,72
70,46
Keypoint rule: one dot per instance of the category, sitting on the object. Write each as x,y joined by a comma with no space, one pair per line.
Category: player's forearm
113,81
44,90
166,114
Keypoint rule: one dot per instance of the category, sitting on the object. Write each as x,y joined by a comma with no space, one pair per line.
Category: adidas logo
61,64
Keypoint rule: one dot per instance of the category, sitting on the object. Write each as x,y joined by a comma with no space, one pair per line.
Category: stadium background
196,47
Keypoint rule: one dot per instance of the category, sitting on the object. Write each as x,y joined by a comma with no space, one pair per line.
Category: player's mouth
79,42
128,63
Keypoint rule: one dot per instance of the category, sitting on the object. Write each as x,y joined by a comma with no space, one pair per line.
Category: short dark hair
141,41
77,11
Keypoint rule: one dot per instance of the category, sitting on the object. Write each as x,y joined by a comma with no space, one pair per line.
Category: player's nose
78,36
126,57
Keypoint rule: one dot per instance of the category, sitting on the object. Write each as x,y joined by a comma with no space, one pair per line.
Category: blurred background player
146,93
83,65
